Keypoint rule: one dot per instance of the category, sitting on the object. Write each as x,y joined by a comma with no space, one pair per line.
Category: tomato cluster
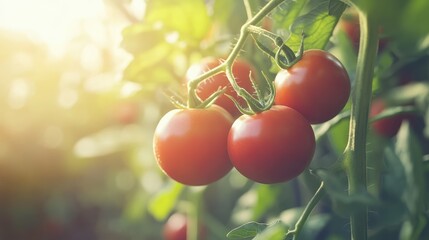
200,146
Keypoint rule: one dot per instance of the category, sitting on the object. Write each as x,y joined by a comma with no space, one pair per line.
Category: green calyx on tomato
273,146
190,145
262,102
317,86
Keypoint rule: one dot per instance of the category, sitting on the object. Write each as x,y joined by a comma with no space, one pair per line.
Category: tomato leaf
317,24
141,37
188,18
146,61
275,231
392,211
258,231
286,13
247,230
267,196
165,200
414,195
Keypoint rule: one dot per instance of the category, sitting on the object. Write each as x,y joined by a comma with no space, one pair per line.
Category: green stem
193,214
248,9
307,211
355,162
244,33
227,65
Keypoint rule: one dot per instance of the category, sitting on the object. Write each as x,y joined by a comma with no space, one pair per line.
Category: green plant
351,181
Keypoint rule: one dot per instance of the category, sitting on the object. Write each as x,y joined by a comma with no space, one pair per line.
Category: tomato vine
285,55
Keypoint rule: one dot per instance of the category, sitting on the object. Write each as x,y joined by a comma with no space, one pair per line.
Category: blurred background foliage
80,99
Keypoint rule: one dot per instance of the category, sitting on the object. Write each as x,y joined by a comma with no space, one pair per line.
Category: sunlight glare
53,22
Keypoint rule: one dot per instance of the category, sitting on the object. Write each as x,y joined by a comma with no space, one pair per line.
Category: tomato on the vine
241,70
176,228
190,145
387,127
272,146
317,86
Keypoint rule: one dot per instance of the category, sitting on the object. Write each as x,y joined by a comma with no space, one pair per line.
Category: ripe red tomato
176,227
190,145
241,70
272,146
387,127
317,86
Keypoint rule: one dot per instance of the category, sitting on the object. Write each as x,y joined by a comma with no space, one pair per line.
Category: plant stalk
193,215
227,65
355,153
307,211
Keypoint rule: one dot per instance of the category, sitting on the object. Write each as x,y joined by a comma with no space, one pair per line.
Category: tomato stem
227,65
318,195
193,213
248,9
355,153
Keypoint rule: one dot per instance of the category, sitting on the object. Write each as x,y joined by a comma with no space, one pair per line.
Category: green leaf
188,18
318,25
410,154
392,210
141,37
247,230
414,196
267,196
286,13
143,64
274,231
165,200
258,231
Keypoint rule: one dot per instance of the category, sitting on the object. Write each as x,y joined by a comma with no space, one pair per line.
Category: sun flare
52,22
